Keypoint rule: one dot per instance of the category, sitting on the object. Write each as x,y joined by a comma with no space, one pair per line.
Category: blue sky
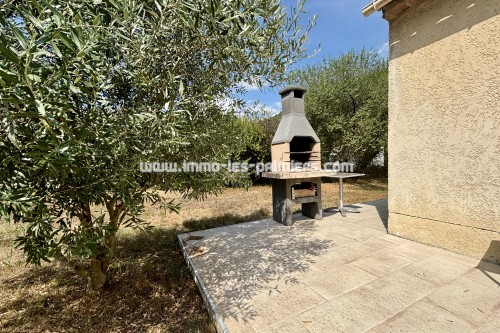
340,27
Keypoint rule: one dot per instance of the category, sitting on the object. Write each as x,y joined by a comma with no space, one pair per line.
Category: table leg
341,209
341,198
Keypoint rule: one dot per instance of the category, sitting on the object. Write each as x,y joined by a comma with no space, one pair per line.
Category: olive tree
346,104
89,89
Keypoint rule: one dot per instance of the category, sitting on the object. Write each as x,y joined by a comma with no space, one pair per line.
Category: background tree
89,89
346,104
258,134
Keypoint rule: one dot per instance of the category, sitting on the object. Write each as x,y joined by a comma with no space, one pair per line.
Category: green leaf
58,17
36,22
181,88
75,39
8,54
20,37
9,78
41,108
34,78
134,80
12,137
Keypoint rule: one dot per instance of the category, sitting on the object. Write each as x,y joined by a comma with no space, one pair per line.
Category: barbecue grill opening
301,148
301,144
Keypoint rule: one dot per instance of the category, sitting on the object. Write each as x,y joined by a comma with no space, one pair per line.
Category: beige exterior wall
444,126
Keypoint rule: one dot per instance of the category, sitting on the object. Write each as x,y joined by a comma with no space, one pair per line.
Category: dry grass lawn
151,289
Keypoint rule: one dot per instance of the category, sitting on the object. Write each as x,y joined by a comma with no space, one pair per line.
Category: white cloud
273,109
250,107
249,86
263,109
252,85
384,50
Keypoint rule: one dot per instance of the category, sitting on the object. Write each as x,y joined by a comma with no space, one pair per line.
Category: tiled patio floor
339,275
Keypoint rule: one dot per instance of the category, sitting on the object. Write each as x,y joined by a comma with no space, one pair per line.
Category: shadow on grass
362,183
371,186
150,290
224,220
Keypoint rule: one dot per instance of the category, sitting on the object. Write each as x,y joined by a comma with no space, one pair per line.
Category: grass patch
150,288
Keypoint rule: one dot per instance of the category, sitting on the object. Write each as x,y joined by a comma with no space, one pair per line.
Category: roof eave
375,6
392,8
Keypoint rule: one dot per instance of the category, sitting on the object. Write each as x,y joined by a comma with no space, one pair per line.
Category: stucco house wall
444,126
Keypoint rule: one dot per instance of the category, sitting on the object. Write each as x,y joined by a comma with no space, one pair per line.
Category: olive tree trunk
96,271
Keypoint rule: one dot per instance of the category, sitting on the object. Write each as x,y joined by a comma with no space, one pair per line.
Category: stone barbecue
296,156
295,145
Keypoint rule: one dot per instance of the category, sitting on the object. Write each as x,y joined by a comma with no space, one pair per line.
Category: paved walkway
339,275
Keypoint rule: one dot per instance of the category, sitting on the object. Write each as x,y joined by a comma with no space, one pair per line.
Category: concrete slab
338,275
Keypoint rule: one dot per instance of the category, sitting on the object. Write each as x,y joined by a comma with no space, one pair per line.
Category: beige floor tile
289,326
363,233
436,269
275,304
467,299
395,239
397,290
351,225
238,324
348,253
464,260
341,255
485,273
375,244
236,316
343,229
383,263
424,317
338,280
254,226
354,217
350,313
287,280
374,222
334,236
415,250
492,325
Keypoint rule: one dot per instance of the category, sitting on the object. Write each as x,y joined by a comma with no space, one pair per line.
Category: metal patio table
340,176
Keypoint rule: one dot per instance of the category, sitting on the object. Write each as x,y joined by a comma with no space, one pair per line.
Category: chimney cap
284,91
